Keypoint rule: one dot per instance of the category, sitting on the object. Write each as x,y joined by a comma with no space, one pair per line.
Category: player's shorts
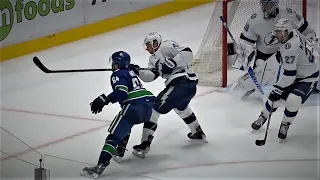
130,115
302,89
177,96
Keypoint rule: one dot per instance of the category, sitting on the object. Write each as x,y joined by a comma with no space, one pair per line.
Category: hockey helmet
283,26
268,7
151,38
121,59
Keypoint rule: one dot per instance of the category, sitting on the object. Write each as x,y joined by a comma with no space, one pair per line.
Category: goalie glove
245,54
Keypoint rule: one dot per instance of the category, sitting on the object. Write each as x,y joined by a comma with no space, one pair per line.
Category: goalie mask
269,7
152,42
282,28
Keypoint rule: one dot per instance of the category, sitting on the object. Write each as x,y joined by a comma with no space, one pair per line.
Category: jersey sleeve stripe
122,88
303,27
314,75
247,39
290,73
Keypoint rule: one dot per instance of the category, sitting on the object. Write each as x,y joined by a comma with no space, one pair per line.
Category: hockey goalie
257,44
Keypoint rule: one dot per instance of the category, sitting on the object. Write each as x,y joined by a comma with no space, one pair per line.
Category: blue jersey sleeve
120,88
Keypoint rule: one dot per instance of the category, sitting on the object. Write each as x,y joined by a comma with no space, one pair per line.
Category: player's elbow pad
117,96
148,76
184,58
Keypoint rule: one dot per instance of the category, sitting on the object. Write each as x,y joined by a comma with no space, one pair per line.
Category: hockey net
211,60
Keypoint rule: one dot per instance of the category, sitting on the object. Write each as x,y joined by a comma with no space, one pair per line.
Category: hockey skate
94,171
259,122
283,131
142,149
120,153
199,135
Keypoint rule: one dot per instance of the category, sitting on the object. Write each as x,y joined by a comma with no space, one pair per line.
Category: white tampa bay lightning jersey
259,30
298,62
182,56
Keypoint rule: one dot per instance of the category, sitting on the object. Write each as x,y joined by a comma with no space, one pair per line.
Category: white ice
50,112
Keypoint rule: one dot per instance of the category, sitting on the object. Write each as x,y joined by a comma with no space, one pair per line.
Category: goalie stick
250,70
41,66
255,81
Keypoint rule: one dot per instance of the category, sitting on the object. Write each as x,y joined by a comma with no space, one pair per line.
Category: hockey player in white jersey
300,75
258,32
171,62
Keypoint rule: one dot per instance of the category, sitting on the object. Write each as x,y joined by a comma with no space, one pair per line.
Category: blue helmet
121,58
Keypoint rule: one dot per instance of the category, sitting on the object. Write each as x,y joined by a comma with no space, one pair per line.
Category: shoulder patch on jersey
246,27
253,16
289,10
287,46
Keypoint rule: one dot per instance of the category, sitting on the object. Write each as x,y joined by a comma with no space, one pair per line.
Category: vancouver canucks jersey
127,88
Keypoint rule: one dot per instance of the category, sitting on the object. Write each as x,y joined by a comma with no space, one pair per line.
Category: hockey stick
250,70
263,141
38,63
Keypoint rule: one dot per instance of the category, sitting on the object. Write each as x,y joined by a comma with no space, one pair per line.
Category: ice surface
51,113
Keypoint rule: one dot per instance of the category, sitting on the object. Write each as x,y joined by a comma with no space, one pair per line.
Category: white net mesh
208,59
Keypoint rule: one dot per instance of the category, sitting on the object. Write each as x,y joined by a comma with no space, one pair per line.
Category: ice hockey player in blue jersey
136,107
171,62
299,77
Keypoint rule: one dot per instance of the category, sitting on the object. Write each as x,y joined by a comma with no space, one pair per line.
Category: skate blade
117,159
281,141
89,175
139,154
204,140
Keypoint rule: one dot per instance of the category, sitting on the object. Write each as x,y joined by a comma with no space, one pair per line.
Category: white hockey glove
245,54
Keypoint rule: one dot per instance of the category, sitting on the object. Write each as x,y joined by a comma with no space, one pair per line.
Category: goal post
211,61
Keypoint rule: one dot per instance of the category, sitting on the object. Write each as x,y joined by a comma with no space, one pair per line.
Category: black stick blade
38,63
260,142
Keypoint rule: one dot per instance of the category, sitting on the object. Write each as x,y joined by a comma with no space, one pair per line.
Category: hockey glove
275,94
168,65
135,68
99,103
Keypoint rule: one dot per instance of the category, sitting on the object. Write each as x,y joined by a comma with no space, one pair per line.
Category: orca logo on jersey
270,39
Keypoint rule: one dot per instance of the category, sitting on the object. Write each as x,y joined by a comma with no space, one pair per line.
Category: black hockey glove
135,68
168,65
275,94
99,103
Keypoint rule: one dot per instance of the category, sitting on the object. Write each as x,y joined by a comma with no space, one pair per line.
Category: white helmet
268,7
283,24
151,37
